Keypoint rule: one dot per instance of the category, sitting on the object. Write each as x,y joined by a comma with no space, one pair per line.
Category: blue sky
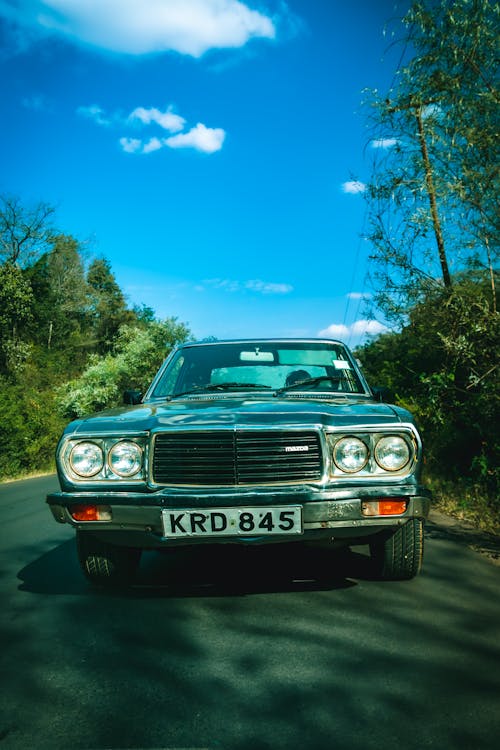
213,150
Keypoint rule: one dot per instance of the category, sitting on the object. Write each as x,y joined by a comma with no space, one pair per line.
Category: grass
42,472
466,501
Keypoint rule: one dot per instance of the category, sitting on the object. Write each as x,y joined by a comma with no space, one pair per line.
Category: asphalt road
235,653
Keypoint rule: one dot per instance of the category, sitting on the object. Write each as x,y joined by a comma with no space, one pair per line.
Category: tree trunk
431,191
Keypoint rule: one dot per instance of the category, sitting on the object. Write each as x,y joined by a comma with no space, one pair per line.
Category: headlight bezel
372,469
107,472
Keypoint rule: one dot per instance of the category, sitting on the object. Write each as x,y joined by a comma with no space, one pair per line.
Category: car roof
264,341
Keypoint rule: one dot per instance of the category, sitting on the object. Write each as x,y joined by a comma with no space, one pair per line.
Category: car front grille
239,457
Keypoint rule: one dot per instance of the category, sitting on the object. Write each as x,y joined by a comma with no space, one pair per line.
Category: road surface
233,653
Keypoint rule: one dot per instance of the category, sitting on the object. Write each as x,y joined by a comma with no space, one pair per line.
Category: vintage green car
245,442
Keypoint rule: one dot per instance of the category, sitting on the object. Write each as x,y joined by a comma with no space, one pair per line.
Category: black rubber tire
398,555
106,564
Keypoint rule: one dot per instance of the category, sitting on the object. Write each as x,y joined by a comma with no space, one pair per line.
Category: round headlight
392,453
350,454
86,459
125,459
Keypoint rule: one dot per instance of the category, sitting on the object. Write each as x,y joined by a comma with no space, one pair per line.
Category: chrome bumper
326,513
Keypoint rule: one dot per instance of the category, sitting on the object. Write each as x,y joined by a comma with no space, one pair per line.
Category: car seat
296,376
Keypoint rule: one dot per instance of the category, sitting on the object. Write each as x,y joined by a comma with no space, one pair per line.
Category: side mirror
131,398
383,394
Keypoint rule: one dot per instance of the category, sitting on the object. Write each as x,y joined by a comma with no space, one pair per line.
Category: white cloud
95,113
384,143
335,331
36,103
228,285
354,187
200,138
167,120
253,285
138,27
266,287
154,144
368,328
131,145
357,295
358,329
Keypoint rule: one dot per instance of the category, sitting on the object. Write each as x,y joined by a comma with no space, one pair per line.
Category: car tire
105,564
397,555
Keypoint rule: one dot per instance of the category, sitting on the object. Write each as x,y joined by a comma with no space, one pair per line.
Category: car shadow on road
53,572
205,572
241,572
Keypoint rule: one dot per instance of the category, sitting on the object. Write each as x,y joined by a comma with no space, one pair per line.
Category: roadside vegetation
433,229
70,343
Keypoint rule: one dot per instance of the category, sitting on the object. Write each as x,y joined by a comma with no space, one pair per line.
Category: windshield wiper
308,381
218,387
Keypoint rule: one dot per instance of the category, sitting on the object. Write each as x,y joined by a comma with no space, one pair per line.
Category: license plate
201,522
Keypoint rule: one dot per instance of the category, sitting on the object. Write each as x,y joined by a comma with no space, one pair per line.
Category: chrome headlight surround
112,459
391,453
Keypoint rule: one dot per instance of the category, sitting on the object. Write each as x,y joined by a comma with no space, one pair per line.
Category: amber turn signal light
383,507
91,513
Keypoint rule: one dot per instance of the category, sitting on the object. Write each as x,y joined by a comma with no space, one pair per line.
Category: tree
443,366
16,303
108,307
432,197
16,299
433,225
61,305
24,232
137,355
60,322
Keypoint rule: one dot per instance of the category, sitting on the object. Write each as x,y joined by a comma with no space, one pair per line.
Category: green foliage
443,365
30,429
137,355
107,305
16,300
60,311
434,234
60,322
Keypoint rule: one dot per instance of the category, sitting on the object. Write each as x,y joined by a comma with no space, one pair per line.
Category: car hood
230,412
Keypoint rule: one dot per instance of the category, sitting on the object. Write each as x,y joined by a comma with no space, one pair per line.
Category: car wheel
106,564
397,555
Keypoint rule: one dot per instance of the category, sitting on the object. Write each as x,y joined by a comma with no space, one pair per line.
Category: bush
138,353
30,430
443,366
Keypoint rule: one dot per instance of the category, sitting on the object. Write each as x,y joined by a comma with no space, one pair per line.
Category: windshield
286,367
